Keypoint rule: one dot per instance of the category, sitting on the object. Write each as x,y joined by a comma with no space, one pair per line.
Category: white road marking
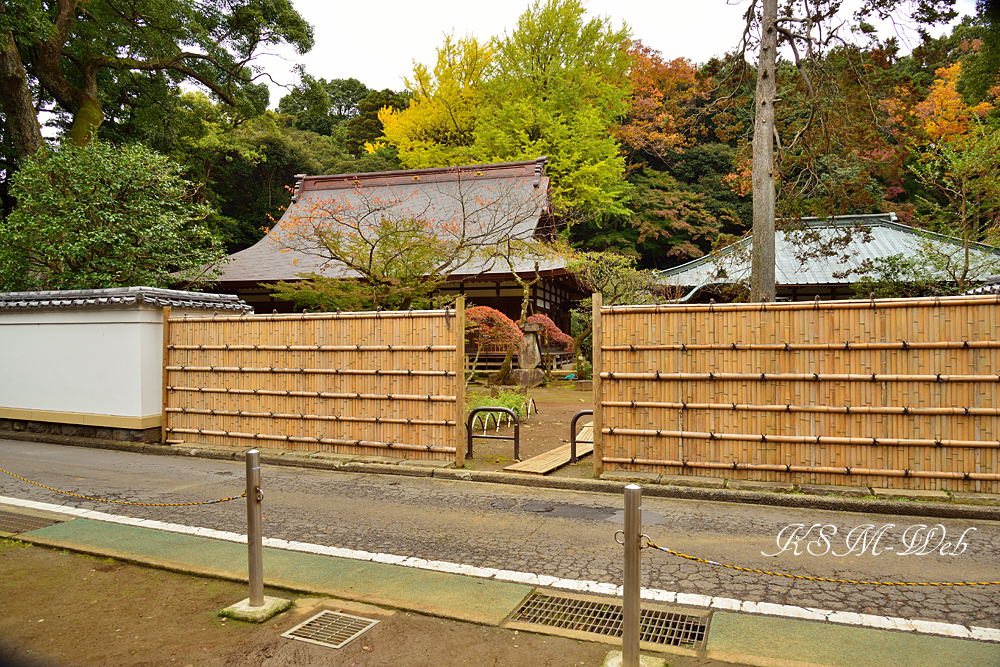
579,586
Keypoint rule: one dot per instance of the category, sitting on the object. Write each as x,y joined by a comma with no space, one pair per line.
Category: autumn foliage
488,327
553,333
660,90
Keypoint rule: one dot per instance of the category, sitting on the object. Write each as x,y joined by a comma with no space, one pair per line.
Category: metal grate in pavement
15,522
656,627
333,629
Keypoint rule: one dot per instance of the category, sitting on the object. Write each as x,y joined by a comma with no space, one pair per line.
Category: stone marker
529,354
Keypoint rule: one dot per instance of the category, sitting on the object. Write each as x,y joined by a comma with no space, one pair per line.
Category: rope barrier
123,502
836,581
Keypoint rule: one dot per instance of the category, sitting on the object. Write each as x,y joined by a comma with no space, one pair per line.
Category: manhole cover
330,628
602,618
15,522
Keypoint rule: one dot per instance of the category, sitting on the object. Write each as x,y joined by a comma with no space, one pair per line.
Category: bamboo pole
309,417
845,471
822,305
791,347
321,371
802,439
461,435
163,374
431,398
847,409
799,377
597,341
334,441
320,348
362,315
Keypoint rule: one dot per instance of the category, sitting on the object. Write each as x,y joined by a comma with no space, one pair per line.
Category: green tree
74,45
560,86
241,167
615,277
981,68
438,127
321,106
366,127
100,216
556,86
961,175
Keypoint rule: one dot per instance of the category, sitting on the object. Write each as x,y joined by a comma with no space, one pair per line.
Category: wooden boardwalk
558,457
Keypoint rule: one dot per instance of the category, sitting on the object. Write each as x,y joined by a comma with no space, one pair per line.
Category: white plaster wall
104,361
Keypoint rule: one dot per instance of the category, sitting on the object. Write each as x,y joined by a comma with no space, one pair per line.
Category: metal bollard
254,540
630,588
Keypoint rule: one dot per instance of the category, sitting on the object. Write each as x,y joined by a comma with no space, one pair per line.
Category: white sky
377,42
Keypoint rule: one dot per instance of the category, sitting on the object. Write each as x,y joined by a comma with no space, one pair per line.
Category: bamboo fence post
461,437
596,342
163,374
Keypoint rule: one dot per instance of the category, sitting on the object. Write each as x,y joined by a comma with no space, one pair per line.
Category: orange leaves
741,180
660,90
944,116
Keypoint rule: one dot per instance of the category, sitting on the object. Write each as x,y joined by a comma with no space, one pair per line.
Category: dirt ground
64,609
540,432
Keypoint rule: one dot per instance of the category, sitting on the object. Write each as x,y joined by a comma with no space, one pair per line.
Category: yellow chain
836,581
122,502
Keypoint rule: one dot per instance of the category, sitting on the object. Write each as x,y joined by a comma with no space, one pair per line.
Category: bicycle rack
572,434
515,437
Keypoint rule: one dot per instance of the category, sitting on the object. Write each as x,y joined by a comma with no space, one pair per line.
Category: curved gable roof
481,204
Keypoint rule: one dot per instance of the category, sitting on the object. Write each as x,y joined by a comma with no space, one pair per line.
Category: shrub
554,333
506,399
100,216
489,326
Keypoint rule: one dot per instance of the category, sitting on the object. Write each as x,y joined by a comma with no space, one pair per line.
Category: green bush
100,216
507,399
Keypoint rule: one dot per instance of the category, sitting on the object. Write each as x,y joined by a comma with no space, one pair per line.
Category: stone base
614,659
527,377
242,611
753,485
911,494
81,431
583,385
693,480
629,476
828,490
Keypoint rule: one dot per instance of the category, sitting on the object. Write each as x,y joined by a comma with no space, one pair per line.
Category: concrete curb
961,508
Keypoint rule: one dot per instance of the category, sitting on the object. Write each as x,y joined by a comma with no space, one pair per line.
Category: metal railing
515,437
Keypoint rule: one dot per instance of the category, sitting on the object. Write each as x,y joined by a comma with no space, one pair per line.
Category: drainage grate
656,627
330,628
14,522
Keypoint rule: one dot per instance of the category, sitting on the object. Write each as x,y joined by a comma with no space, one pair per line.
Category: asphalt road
566,534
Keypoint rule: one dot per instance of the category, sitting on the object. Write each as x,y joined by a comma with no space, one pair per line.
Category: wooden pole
597,340
461,436
163,373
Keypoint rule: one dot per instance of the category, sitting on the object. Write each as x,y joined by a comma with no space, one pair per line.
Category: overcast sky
376,42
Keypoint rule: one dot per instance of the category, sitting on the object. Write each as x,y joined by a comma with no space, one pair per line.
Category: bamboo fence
879,393
370,383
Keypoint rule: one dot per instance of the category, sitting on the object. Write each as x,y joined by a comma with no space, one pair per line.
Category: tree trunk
762,266
578,340
503,377
86,120
18,107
